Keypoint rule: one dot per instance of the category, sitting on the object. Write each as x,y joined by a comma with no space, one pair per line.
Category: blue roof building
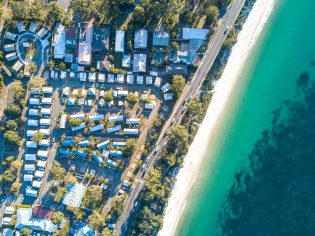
103,144
66,152
84,143
67,142
115,153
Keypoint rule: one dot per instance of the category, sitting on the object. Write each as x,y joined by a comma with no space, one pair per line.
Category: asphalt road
191,89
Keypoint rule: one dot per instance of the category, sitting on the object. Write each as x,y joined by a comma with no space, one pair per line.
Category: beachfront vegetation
160,178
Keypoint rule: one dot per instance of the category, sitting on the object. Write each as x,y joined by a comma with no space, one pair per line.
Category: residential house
101,39
139,63
74,195
120,41
59,41
141,39
161,38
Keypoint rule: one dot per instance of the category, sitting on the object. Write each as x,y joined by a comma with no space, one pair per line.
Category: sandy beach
223,88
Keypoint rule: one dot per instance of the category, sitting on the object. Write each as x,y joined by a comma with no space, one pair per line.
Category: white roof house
84,54
78,115
141,38
120,78
120,41
6,220
30,157
92,77
39,174
139,79
63,74
158,81
74,195
45,132
17,66
132,121
33,123
195,33
47,90
63,120
10,36
131,131
28,178
114,129
115,118
130,79
29,167
42,153
45,111
148,80
46,122
149,105
166,87
24,218
82,76
139,62
33,27
41,164
11,56
122,93
59,42
47,101
36,184
96,117
42,32
9,47
44,143
168,96
161,38
20,26
101,78
30,133
31,192
31,144
111,78
34,101
126,61
96,128
9,210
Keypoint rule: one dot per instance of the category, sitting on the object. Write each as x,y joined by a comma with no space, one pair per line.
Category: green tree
132,98
96,220
78,213
37,82
55,12
12,137
212,13
38,136
11,125
175,46
131,145
108,96
26,231
12,110
32,68
57,172
93,196
75,122
106,232
178,85
57,217
178,134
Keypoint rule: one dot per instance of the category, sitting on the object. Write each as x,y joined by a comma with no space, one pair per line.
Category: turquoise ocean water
284,53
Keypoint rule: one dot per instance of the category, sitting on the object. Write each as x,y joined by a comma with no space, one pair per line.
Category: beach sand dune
223,88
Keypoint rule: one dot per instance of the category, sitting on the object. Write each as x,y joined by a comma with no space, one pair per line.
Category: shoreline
223,88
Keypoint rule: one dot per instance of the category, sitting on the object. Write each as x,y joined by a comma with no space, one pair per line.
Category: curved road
191,89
